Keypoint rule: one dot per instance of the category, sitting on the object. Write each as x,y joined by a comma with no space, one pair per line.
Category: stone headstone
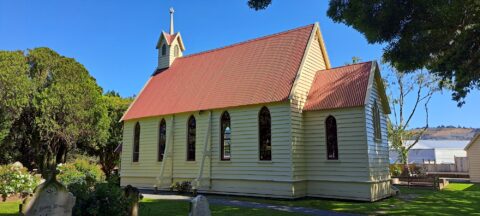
133,194
50,198
199,206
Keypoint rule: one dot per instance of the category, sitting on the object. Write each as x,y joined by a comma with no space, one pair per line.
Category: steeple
171,20
170,46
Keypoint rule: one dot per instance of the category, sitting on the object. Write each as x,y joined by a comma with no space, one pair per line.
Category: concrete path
215,200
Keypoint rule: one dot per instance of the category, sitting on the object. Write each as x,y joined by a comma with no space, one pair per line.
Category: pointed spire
171,21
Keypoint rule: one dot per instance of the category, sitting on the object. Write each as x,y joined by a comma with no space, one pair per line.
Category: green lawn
150,207
456,199
9,208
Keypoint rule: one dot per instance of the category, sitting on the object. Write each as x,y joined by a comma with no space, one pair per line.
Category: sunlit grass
456,199
9,208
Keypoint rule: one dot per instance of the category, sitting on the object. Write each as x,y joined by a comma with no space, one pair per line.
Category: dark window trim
377,126
331,135
222,137
191,151
164,50
136,143
266,154
160,148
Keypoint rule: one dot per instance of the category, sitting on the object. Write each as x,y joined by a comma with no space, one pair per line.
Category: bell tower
170,45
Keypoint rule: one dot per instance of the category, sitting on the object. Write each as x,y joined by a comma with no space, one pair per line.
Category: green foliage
65,108
411,90
441,36
101,199
81,171
259,4
16,179
396,170
116,106
181,187
15,87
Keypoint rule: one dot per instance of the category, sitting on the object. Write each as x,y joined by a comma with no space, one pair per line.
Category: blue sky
115,40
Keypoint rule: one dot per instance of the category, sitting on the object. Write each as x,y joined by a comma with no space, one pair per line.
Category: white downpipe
168,154
206,153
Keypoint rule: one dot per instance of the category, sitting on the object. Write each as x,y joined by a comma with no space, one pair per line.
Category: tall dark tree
105,151
15,89
65,107
441,36
259,4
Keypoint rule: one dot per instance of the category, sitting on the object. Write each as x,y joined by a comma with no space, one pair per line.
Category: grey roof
439,144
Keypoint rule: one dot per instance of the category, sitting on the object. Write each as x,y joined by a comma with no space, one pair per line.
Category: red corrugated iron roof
257,71
339,87
170,37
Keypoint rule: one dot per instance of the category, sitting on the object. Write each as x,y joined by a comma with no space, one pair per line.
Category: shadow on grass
473,187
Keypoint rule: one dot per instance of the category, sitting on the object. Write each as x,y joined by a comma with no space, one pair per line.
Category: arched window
162,139
136,143
164,49
331,135
175,51
191,134
265,135
377,128
225,136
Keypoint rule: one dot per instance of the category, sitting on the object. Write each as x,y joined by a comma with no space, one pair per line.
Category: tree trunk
404,159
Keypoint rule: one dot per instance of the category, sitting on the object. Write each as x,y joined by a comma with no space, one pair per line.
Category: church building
266,117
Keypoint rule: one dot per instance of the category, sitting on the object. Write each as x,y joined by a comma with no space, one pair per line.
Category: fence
460,166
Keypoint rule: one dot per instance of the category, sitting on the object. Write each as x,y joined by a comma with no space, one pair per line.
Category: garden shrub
80,171
396,170
101,199
181,187
14,179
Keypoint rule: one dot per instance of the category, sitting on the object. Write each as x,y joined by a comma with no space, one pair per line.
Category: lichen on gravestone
50,198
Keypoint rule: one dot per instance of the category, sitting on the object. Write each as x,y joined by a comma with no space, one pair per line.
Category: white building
434,151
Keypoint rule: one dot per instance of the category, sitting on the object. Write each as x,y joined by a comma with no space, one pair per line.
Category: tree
15,87
415,88
355,60
441,36
65,107
259,4
108,158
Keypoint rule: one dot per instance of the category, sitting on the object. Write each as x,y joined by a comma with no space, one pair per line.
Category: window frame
160,151
268,136
376,121
164,49
190,157
136,143
327,138
176,51
222,137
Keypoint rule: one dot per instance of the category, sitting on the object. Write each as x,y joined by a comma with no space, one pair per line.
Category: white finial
171,20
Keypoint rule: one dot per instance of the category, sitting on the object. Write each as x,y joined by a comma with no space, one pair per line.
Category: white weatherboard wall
473,154
313,62
347,177
244,174
378,151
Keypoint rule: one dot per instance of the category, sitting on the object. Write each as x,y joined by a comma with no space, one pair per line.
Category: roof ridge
345,66
247,41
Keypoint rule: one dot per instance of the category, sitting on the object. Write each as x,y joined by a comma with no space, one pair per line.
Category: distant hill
449,133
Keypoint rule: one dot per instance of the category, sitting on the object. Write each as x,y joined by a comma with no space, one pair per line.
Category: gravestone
199,206
50,198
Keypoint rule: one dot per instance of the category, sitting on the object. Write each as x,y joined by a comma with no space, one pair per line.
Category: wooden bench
424,181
